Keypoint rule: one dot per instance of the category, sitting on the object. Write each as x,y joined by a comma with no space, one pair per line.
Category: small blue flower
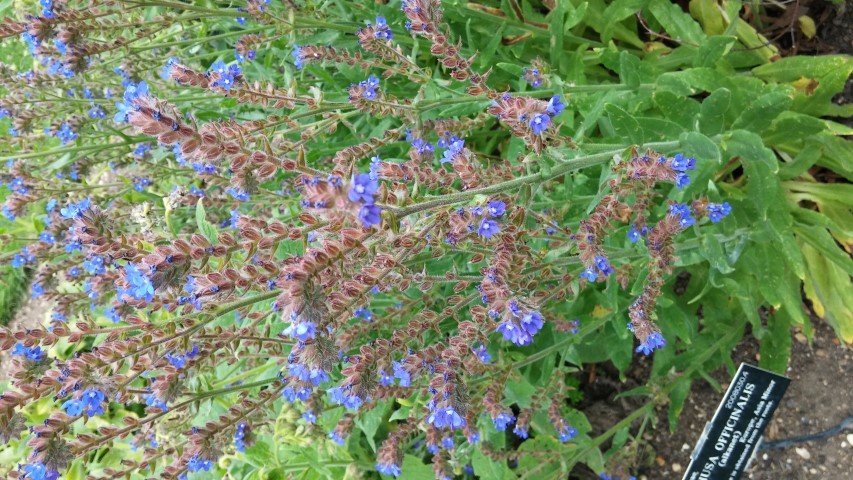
633,235
363,188
520,431
567,433
682,164
589,274
497,208
488,228
446,417
297,57
198,464
717,211
370,215
388,469
482,354
539,123
555,105
502,421
653,342
139,285
683,212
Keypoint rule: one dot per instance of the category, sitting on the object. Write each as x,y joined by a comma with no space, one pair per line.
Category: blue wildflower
446,417
497,208
198,464
363,188
370,215
239,437
382,32
717,211
653,342
297,57
683,212
139,285
502,421
555,106
388,469
567,433
488,228
539,123
482,354
520,431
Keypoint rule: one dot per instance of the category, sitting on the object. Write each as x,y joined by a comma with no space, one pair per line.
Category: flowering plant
334,256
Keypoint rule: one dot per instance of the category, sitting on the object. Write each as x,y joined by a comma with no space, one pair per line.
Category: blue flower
369,215
520,431
717,211
37,290
75,210
363,188
446,417
539,123
336,437
482,354
488,228
502,420
532,322
683,212
32,353
567,433
151,400
363,314
388,469
94,265
603,266
681,164
497,208
297,57
382,31
555,105
401,374
633,235
447,442
653,342
38,471
682,180
239,437
304,331
589,274
139,285
165,74
197,464
309,416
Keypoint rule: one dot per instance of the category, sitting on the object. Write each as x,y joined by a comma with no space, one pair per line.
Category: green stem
543,176
246,374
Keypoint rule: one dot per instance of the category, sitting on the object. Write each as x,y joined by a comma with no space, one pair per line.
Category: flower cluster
314,252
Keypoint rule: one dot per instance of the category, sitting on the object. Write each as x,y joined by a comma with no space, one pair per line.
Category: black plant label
729,440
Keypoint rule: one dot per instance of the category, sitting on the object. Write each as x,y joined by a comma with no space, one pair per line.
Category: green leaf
555,29
485,467
414,469
679,109
760,165
791,127
709,16
828,287
629,69
816,79
625,125
758,115
712,50
822,241
677,397
713,251
713,110
370,421
677,23
206,228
